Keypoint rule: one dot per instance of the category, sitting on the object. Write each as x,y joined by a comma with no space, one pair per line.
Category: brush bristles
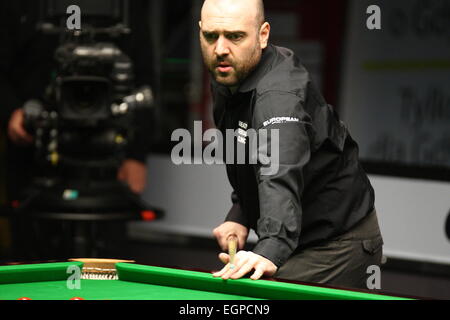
99,276
96,273
99,269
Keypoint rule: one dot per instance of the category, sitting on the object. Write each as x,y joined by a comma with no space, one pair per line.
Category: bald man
315,216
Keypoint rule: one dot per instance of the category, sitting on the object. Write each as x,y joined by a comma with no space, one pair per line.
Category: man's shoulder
286,75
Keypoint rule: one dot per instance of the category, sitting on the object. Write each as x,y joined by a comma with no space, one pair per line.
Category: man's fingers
18,135
257,274
240,260
241,242
245,268
228,228
245,262
225,258
223,244
136,186
220,239
25,136
16,128
222,272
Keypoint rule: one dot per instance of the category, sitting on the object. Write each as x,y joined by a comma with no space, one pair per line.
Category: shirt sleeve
280,180
235,214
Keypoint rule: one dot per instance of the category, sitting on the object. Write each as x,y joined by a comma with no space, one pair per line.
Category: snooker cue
232,246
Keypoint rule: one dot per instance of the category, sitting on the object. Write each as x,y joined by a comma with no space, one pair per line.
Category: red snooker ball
76,298
24,298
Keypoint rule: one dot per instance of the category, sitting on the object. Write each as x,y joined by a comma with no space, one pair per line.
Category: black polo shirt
319,190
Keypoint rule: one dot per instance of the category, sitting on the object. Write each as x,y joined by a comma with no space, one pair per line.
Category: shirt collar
259,72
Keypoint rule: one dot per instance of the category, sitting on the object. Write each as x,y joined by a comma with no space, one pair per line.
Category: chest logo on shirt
280,120
242,132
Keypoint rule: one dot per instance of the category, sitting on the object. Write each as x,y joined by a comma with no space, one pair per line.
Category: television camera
84,123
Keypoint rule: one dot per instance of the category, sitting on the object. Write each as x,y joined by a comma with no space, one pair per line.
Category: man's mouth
224,67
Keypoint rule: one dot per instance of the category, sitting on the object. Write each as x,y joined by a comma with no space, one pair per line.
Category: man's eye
234,36
210,36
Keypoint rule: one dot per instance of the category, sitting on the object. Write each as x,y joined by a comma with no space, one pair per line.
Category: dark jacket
320,190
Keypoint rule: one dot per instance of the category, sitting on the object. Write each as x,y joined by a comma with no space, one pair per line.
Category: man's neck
233,89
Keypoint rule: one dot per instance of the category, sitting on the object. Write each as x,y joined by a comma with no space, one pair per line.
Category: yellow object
54,158
119,139
232,248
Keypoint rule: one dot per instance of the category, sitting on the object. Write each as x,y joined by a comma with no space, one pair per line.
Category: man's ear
200,24
264,33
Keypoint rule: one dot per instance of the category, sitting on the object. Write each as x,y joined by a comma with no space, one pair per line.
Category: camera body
88,110
84,123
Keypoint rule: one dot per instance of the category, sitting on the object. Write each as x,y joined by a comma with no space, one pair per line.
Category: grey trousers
343,261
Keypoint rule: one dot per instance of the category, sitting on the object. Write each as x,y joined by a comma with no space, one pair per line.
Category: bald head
253,10
233,35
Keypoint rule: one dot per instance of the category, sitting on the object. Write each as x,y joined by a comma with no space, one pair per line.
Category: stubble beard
239,72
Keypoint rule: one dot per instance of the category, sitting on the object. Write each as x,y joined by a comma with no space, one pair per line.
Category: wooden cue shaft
232,247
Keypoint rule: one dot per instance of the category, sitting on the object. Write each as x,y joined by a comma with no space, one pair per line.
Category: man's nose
222,48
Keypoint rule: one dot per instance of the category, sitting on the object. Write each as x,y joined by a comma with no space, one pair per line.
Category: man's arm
235,214
235,224
279,191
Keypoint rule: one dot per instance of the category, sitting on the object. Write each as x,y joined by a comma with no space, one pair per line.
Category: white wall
196,198
412,217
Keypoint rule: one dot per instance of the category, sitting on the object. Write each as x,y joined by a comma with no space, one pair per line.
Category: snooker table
49,281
